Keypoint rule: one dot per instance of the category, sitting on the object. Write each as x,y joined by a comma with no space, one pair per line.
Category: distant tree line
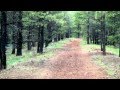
100,27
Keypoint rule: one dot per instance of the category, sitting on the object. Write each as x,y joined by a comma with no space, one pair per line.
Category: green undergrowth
28,55
59,44
110,63
92,47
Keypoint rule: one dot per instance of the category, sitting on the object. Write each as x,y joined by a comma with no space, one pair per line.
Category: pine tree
19,34
3,40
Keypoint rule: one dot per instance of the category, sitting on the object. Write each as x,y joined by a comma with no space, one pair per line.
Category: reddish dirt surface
72,62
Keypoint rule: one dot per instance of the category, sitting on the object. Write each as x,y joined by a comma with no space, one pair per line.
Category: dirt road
72,62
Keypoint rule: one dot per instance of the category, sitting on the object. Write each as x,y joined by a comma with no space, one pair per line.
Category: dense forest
39,28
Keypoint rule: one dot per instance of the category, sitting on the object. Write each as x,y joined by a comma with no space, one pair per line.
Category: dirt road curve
72,62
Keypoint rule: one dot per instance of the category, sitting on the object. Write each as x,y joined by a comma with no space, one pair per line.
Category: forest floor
72,61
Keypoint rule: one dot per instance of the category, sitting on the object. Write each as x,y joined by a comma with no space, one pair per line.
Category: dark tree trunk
62,36
40,39
38,46
78,35
13,34
91,39
13,48
29,45
19,35
101,37
93,36
96,37
104,35
3,40
13,42
0,52
33,42
49,34
88,32
29,41
59,37
55,39
67,35
46,43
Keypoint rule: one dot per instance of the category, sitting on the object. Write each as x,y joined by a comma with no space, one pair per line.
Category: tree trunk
55,39
13,42
62,36
91,39
3,40
104,35
29,45
0,52
78,35
59,37
67,35
19,34
38,47
42,39
88,32
101,36
46,43
29,42
70,33
97,37
13,34
49,35
13,48
33,42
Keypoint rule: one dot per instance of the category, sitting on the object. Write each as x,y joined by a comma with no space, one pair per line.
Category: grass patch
113,50
110,67
89,47
27,55
59,44
13,59
92,47
110,63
